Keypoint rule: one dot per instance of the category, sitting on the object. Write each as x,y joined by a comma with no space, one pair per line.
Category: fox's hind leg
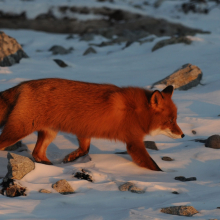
45,137
84,145
140,155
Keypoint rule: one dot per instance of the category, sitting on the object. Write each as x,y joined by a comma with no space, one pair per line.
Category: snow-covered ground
198,109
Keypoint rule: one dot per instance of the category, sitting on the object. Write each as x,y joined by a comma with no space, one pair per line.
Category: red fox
87,110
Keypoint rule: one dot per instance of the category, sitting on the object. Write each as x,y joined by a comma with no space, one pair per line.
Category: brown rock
184,78
11,51
44,191
213,142
63,187
180,210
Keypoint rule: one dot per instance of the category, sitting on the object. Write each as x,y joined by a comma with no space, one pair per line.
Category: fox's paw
38,160
69,158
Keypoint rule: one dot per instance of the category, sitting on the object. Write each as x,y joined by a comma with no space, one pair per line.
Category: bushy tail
8,99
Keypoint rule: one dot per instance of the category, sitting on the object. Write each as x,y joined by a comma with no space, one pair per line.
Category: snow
198,109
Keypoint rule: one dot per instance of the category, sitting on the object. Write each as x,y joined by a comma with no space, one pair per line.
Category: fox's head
164,114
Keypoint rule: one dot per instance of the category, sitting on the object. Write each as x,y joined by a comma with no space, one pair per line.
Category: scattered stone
167,159
11,51
150,145
14,146
173,40
135,189
60,63
12,189
195,7
63,187
213,142
89,50
175,192
129,186
184,179
18,166
83,175
44,191
193,131
56,49
87,37
70,36
180,210
126,186
185,78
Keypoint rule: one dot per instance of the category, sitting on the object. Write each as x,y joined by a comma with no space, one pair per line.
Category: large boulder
11,51
18,166
184,78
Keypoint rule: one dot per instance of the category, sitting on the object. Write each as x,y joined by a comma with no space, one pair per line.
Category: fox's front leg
140,156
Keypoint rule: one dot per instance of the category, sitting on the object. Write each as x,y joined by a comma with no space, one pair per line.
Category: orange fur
87,110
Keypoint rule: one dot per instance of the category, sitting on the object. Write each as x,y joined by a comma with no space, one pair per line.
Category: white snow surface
198,109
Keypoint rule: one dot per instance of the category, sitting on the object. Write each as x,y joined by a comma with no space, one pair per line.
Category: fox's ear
168,91
156,99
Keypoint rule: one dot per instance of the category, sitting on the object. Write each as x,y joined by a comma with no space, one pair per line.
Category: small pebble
175,192
167,159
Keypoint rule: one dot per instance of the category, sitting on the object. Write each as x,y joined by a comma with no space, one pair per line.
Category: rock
193,131
14,146
213,142
44,191
175,192
150,145
184,179
172,40
129,186
167,159
56,49
184,78
18,166
135,189
12,189
87,37
84,175
125,186
11,51
63,187
89,50
180,210
60,63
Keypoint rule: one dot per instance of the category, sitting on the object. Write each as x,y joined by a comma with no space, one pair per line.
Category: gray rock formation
11,51
63,187
129,186
185,78
18,166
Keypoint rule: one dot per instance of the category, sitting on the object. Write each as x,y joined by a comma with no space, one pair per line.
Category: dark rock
193,131
70,36
167,159
60,63
63,187
195,7
173,40
11,51
175,192
56,49
184,78
150,145
180,210
87,37
83,175
213,142
129,186
12,189
184,179
89,50
18,166
14,146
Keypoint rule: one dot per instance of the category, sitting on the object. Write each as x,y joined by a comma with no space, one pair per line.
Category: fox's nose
183,135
